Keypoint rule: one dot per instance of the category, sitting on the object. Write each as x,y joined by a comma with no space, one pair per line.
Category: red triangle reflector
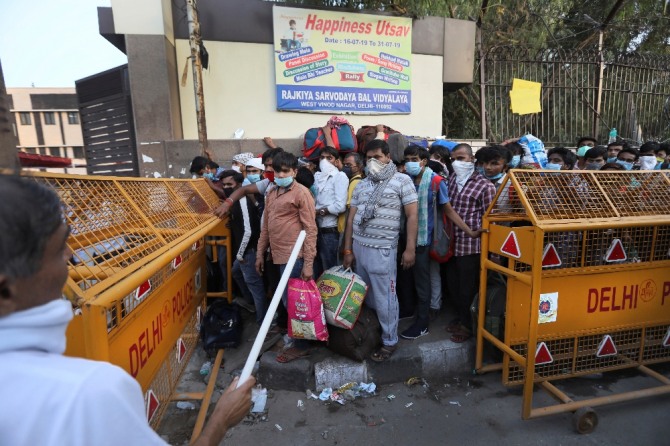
181,350
152,404
511,246
176,262
616,253
666,339
143,290
550,257
543,355
606,347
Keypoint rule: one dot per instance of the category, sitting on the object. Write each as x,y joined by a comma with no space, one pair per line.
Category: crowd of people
375,214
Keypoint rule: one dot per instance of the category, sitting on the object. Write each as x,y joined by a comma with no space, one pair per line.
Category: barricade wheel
585,420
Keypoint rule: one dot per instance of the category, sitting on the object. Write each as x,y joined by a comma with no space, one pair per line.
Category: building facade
47,123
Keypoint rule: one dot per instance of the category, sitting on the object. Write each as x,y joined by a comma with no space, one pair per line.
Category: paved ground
451,410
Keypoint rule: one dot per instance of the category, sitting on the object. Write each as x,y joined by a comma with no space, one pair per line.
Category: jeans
326,252
250,283
463,284
422,284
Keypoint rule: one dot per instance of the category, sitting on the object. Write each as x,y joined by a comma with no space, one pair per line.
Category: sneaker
413,332
239,301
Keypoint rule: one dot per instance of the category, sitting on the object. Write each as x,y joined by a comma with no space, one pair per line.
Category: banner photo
334,62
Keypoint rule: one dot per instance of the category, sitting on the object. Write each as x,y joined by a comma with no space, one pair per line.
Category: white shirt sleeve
247,229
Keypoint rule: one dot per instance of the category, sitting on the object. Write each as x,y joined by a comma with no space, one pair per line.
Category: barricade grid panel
662,245
568,246
653,344
636,243
161,207
564,196
196,200
172,368
574,195
567,363
628,349
641,193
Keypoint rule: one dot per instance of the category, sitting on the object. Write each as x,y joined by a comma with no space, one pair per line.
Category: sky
53,43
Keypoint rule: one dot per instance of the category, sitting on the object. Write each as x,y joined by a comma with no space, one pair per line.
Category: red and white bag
306,319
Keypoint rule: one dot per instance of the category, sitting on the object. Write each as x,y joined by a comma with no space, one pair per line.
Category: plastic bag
305,311
221,327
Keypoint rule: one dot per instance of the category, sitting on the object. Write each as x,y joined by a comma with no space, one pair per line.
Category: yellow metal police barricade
586,257
137,277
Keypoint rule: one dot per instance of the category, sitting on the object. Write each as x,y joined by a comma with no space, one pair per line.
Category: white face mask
326,166
463,168
375,166
236,169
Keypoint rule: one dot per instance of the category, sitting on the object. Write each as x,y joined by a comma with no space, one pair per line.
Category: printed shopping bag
305,311
343,292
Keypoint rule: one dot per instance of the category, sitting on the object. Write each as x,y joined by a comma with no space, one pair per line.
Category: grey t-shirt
383,229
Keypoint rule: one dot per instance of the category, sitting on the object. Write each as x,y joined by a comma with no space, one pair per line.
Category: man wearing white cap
240,160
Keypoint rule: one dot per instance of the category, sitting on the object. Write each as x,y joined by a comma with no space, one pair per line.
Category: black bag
221,327
359,342
494,319
214,276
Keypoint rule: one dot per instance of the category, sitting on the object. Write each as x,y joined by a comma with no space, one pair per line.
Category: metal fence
634,94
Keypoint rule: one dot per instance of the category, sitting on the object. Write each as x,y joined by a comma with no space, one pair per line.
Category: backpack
344,139
221,327
442,247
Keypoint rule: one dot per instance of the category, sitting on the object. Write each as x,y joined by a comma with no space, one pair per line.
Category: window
72,118
49,118
53,151
32,150
25,118
78,152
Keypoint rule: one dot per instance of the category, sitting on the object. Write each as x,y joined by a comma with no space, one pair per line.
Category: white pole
265,326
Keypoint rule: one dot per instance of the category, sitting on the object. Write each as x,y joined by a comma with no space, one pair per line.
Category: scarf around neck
381,180
424,185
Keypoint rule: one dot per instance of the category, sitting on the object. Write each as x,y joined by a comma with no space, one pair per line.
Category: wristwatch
322,212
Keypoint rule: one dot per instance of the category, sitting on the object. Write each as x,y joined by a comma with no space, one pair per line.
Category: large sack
343,292
359,342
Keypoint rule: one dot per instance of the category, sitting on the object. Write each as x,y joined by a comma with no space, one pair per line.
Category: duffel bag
344,140
359,342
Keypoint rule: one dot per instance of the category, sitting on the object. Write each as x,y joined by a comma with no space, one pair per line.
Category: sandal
454,326
384,353
291,354
461,335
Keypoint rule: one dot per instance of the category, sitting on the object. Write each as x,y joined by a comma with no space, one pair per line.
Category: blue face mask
516,159
611,159
552,166
413,168
208,175
283,182
480,170
253,177
494,177
627,164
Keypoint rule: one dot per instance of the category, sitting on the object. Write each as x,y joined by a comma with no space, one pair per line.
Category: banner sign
335,62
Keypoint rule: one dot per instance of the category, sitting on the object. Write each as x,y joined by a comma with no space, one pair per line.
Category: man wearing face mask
595,158
240,161
627,157
371,237
331,200
353,169
470,195
245,230
433,194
